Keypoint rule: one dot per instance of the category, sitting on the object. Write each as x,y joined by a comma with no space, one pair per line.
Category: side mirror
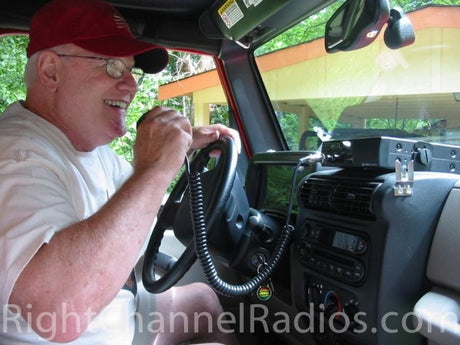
356,24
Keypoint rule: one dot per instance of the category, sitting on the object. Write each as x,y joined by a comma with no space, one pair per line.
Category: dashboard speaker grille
350,198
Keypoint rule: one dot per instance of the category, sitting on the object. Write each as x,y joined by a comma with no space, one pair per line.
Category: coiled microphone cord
201,244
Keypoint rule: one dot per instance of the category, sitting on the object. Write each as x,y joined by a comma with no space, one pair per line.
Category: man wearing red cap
74,216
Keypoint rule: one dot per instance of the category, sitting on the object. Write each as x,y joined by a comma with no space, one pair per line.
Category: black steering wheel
217,185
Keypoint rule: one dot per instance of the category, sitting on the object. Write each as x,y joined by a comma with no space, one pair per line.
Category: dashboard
358,260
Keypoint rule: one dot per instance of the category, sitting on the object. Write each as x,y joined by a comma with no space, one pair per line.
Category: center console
360,247
363,265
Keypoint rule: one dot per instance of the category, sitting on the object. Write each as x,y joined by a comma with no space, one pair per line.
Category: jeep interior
338,223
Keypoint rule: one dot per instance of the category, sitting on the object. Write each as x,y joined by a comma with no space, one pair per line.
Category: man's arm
84,266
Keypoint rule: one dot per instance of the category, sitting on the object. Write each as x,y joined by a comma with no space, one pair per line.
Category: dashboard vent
350,198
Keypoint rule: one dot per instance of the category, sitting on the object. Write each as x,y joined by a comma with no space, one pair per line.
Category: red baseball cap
93,25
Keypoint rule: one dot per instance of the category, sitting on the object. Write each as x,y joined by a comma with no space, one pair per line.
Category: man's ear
48,66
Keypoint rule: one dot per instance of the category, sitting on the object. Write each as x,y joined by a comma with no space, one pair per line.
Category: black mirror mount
356,24
399,32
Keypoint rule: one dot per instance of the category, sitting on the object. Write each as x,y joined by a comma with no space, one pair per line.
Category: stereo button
358,272
347,274
357,276
361,246
338,271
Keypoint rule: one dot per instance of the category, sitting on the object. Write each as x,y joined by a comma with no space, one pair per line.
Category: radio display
345,241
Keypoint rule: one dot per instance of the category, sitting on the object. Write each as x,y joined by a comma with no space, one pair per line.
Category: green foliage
219,114
289,123
307,30
408,125
12,62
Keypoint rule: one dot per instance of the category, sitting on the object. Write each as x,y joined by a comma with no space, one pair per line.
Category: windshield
412,92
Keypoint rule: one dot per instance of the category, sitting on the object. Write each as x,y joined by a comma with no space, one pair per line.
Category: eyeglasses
114,67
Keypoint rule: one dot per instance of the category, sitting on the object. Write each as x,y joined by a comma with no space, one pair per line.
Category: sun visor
237,19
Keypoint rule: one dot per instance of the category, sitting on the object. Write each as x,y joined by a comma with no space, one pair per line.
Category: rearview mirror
356,24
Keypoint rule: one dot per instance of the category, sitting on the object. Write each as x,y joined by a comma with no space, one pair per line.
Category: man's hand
163,139
164,136
204,135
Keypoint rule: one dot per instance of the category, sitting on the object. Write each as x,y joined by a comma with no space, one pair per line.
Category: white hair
30,73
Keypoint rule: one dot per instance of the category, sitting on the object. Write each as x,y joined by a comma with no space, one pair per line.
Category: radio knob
425,156
351,310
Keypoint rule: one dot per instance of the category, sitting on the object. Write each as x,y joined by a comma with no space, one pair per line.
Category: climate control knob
332,303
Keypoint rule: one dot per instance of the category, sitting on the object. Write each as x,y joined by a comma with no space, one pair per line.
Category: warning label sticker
230,13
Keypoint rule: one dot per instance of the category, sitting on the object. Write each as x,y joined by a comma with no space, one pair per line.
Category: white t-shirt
46,185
